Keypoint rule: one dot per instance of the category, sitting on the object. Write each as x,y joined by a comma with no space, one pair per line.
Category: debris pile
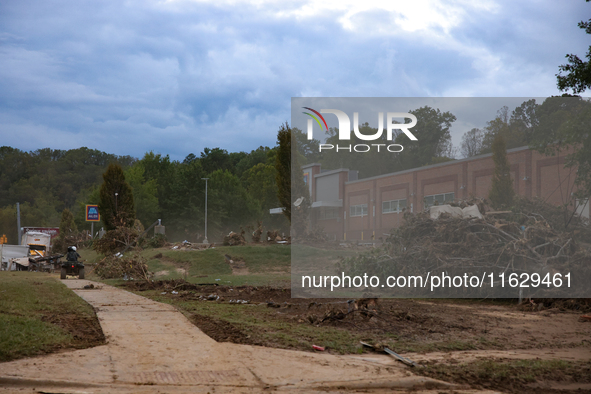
258,232
116,240
234,239
273,236
519,241
186,245
132,267
167,285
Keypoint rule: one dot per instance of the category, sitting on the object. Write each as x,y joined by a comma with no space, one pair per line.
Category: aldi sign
92,213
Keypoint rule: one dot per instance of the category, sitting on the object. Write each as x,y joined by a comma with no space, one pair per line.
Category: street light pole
18,223
205,241
116,194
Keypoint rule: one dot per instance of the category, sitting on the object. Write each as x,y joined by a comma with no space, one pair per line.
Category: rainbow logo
315,118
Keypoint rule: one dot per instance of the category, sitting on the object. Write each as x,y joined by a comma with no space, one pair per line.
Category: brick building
348,208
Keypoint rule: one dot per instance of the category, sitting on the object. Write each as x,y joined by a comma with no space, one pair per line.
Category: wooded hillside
241,189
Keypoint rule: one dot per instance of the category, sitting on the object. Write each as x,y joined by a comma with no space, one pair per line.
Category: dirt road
151,347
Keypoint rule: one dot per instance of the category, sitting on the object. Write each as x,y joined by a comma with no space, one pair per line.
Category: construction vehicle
72,266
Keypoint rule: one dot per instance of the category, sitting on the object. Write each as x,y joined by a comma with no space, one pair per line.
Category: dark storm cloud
178,76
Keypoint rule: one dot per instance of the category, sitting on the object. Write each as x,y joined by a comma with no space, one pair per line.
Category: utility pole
18,223
205,241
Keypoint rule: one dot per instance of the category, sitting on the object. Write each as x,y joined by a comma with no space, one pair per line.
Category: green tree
291,190
563,129
578,72
283,168
524,120
434,139
500,125
308,149
67,224
8,223
575,132
116,204
163,172
230,206
215,159
261,186
144,194
471,143
255,157
32,215
501,193
67,229
184,202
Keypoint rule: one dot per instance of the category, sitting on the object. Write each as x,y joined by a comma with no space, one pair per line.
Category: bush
158,241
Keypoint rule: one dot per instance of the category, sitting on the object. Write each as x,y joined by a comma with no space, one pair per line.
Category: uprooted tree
132,267
530,240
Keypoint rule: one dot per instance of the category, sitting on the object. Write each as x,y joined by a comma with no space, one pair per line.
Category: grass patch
38,314
260,259
90,256
513,376
266,264
212,261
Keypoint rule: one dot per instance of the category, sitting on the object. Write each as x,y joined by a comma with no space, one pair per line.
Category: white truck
39,243
40,257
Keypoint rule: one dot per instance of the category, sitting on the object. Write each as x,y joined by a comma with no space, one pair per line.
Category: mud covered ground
427,330
86,331
415,325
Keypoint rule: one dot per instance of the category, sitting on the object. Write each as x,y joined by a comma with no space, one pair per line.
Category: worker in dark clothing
72,266
72,254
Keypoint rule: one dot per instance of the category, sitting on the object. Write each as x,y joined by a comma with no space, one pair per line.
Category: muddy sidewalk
151,347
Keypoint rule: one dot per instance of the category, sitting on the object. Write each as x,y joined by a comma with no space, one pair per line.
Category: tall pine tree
501,194
283,167
116,199
290,181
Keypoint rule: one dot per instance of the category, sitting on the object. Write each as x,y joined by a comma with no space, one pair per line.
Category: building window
393,206
438,199
358,210
329,213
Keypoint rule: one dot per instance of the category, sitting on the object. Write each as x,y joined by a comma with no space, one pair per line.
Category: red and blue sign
92,213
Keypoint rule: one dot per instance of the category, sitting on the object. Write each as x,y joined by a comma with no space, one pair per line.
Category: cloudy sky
174,77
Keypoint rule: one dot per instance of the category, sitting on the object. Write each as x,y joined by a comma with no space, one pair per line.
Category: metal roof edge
447,163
